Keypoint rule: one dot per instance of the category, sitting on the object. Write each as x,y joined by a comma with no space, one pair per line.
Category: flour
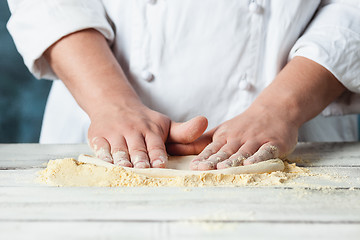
70,172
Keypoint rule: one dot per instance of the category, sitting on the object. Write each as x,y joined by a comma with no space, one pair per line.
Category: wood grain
309,208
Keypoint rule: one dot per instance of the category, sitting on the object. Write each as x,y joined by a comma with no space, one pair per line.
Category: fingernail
142,165
121,159
194,164
248,161
92,142
196,160
222,165
103,155
158,163
120,155
205,165
124,163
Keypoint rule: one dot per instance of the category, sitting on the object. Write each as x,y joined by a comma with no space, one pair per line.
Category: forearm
85,63
300,91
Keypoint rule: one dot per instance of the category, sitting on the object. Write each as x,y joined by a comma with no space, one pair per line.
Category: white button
244,85
254,7
147,76
151,1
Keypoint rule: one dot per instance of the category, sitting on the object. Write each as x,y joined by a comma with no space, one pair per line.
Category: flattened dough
88,172
178,167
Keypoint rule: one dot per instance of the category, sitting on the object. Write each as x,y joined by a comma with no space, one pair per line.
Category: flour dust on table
89,171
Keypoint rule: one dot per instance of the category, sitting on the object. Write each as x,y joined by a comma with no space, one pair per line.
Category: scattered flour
70,172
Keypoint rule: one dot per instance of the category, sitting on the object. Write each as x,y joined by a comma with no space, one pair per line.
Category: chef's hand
135,136
122,129
253,136
269,127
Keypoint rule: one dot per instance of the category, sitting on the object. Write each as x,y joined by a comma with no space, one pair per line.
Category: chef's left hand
269,127
253,136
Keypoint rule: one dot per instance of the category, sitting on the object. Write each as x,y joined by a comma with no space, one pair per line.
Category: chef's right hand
135,136
122,130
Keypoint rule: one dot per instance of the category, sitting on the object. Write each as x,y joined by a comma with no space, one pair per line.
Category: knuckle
117,148
221,135
218,144
147,129
156,148
230,148
119,152
207,152
138,151
157,130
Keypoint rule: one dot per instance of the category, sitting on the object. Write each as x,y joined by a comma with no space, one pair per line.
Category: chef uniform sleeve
37,24
332,39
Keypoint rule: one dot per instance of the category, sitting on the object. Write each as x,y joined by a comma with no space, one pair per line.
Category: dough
71,172
178,166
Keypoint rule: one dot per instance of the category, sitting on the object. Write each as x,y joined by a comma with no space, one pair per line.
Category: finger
101,148
265,152
189,149
119,152
121,158
209,150
156,151
224,153
237,159
210,163
137,150
187,132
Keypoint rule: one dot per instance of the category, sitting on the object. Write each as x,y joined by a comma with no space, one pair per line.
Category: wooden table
315,209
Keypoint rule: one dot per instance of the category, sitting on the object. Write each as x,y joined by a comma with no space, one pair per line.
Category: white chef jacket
186,58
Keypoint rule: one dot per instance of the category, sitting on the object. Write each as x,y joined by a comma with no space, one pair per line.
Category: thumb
187,132
192,148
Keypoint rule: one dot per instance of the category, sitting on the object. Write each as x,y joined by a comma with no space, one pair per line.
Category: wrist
111,103
300,91
282,107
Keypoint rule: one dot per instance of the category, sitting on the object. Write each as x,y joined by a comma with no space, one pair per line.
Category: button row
244,84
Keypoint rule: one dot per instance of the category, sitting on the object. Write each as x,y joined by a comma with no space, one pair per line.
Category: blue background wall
22,97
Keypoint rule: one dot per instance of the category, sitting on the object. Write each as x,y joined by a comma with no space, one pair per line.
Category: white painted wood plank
20,178
311,154
176,230
169,204
36,155
27,208
263,231
329,177
327,154
342,177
